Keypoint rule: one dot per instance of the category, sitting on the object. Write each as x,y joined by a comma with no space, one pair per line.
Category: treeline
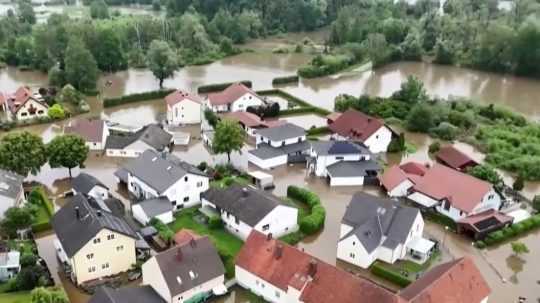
471,33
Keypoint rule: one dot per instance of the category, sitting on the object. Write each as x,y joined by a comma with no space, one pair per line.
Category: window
236,220
40,112
491,197
24,114
105,266
185,178
277,294
176,112
110,237
90,256
461,213
91,269
340,158
256,282
299,139
352,255
353,243
186,199
282,143
266,227
173,203
199,184
120,248
447,205
97,240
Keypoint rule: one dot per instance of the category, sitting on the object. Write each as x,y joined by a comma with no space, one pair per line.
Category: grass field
15,297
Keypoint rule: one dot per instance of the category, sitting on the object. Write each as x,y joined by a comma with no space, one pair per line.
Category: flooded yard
306,121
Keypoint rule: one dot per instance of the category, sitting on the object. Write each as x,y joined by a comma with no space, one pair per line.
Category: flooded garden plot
306,121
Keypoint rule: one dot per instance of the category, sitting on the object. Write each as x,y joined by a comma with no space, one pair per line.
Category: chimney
312,269
278,251
269,237
77,213
245,192
179,254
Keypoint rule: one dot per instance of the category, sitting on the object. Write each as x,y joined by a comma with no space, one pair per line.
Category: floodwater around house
516,93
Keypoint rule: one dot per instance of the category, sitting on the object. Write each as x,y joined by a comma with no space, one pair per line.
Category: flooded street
261,67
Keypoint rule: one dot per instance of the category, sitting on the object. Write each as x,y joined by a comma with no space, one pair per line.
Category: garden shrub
382,272
515,230
445,131
285,80
215,222
313,222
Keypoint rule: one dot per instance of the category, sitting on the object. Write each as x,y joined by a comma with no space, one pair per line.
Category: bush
56,112
519,183
325,65
445,131
515,230
434,147
163,230
315,131
202,166
397,144
215,222
536,203
219,87
382,272
151,95
285,80
28,260
313,222
480,244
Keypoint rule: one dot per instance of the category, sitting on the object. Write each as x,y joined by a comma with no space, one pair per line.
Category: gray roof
198,256
152,134
84,183
122,174
352,168
138,294
378,221
338,148
282,132
10,184
160,170
266,151
248,204
156,207
73,233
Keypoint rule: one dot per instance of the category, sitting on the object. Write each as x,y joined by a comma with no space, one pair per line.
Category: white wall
346,181
240,229
281,221
204,287
144,219
352,251
260,139
267,163
185,112
151,276
99,193
401,190
491,200
378,142
5,203
262,288
187,193
322,162
24,114
247,100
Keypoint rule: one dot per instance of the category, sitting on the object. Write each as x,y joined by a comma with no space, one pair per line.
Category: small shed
262,180
454,158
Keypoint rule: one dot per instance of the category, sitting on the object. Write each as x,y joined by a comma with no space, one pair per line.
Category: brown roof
486,215
458,281
463,191
230,94
90,130
252,120
414,168
283,266
333,116
356,125
185,235
20,97
179,96
395,175
454,158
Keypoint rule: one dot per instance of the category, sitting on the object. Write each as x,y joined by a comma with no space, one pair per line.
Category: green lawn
15,297
227,181
28,247
411,267
227,244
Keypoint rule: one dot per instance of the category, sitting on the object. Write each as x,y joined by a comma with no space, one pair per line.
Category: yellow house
92,243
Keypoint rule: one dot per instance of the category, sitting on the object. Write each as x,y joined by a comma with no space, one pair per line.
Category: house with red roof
25,105
358,127
236,97
183,108
397,180
454,158
251,122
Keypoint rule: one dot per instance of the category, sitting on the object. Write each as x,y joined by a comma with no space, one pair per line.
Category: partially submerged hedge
316,131
510,232
151,95
313,222
39,196
286,80
382,272
210,88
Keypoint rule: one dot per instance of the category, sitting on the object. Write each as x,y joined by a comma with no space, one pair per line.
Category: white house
9,265
24,105
186,272
279,145
356,126
131,145
343,163
11,191
381,229
94,132
92,243
183,108
251,123
159,208
236,97
244,209
154,175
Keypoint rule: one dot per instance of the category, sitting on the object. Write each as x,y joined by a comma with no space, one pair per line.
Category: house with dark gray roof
279,145
137,294
131,145
376,228
187,272
92,243
89,185
11,191
159,208
153,175
245,208
342,163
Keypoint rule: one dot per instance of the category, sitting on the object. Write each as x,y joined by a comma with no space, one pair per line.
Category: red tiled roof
333,116
179,96
282,265
252,120
356,125
454,158
89,130
490,213
463,191
392,177
230,94
20,97
2,98
414,168
185,235
458,281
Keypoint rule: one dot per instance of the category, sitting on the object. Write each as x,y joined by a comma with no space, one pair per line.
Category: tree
29,277
57,76
411,48
519,183
444,54
211,117
56,112
527,49
22,153
44,295
69,95
67,151
420,118
229,137
161,60
80,66
26,13
377,49
412,91
519,248
16,218
487,173
109,53
99,9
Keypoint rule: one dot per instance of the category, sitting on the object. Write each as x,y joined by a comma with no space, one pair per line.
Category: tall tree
25,11
22,153
161,60
67,151
16,218
229,137
80,66
109,54
99,9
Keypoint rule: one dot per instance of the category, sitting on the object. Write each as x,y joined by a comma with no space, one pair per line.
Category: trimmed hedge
510,232
146,96
382,272
323,130
440,219
313,222
285,80
210,88
40,196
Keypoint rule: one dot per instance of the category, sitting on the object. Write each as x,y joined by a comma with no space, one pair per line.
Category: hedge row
284,95
315,131
45,201
313,222
151,95
392,276
41,227
510,232
210,88
285,80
